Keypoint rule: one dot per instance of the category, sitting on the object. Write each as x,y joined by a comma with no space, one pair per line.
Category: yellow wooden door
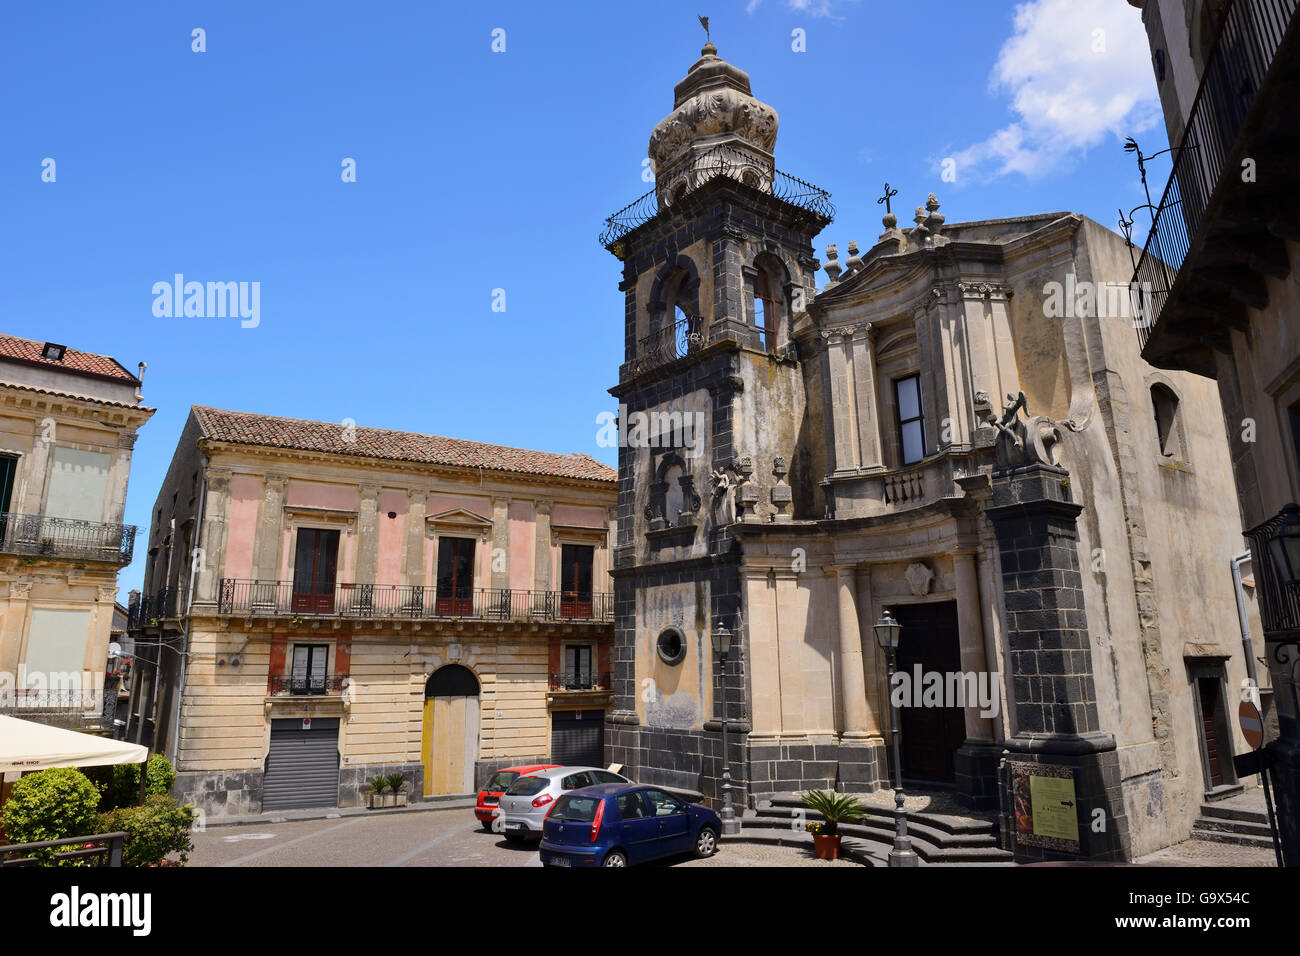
450,744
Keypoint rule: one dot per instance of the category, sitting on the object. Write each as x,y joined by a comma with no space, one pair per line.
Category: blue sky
478,171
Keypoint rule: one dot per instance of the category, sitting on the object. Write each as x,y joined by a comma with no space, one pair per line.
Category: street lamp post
887,631
722,645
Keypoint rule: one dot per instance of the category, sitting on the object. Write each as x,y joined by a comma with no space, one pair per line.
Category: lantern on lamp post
887,633
722,647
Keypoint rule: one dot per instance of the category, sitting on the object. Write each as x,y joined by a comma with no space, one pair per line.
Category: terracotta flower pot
826,847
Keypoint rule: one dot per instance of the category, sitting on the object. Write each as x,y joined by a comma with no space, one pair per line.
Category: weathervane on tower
704,22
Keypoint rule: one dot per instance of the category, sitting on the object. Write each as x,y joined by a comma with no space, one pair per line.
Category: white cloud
814,8
1077,72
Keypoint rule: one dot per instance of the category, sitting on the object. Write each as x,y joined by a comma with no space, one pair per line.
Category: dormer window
53,352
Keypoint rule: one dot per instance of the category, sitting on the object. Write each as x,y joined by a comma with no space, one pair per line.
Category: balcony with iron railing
720,162
45,536
1210,244
581,681
411,602
151,610
675,341
1278,600
306,685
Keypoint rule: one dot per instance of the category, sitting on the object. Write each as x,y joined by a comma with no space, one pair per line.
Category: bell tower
718,267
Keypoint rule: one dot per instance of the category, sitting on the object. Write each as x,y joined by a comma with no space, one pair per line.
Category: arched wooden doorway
450,742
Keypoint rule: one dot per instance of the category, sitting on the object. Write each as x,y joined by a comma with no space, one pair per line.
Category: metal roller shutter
578,737
302,769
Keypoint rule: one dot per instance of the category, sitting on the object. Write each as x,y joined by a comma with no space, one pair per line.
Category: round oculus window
671,645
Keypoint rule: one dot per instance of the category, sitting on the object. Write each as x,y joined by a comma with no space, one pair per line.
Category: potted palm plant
377,787
396,782
835,808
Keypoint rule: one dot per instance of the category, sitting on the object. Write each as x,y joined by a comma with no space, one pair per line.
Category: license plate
560,861
514,826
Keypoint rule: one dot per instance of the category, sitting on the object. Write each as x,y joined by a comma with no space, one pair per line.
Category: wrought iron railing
581,681
28,699
681,338
164,604
1279,604
720,161
1252,31
66,537
305,685
281,599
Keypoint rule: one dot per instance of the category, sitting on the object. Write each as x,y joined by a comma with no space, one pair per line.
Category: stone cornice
72,408
255,458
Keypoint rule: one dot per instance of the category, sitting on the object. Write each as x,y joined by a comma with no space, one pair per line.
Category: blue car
619,824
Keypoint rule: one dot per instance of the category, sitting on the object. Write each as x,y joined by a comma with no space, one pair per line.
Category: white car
524,805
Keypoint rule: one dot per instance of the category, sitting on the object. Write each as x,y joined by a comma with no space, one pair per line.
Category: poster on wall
1045,808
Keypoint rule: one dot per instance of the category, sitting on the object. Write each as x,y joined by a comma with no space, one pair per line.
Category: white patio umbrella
26,745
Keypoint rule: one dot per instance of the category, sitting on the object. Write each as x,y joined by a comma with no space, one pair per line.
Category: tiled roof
88,363
246,428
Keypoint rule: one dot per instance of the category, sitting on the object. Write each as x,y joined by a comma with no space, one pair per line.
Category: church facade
957,428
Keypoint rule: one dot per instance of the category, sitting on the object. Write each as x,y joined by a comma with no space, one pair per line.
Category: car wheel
487,825
706,844
615,858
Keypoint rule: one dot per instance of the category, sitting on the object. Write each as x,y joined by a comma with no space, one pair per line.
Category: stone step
930,844
941,821
1226,836
1234,826
885,824
1242,814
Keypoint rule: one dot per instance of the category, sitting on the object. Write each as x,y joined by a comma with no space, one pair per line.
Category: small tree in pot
396,782
377,787
835,808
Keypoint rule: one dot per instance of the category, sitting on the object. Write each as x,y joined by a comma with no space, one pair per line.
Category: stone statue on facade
721,503
1029,442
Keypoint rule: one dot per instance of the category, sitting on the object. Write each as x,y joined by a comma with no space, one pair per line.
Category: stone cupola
716,127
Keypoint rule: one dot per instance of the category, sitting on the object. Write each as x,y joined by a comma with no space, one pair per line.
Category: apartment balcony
43,536
305,685
1231,199
81,710
411,602
1279,601
580,691
581,682
166,604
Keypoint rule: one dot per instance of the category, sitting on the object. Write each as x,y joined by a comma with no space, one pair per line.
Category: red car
490,795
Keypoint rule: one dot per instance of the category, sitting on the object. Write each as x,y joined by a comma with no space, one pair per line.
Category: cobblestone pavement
758,854
426,838
1209,853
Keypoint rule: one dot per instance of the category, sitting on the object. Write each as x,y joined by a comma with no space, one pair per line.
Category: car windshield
573,809
527,786
500,780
